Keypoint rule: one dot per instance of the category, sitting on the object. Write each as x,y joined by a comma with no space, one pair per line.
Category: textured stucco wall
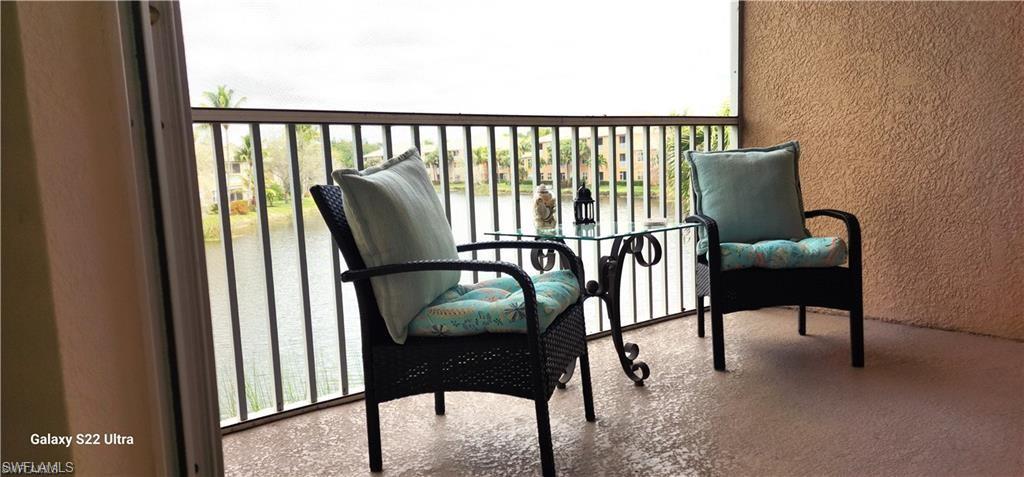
910,115
78,157
30,370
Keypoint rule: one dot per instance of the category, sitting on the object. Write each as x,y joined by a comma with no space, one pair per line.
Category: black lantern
583,206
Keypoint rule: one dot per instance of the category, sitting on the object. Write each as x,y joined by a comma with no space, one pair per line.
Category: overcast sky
520,57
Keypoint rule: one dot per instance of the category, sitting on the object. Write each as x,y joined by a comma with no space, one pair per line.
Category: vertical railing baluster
339,299
268,264
416,139
680,214
595,176
357,145
631,204
492,170
595,171
442,159
223,207
300,234
575,152
695,235
535,131
387,142
556,164
721,138
646,157
613,183
514,130
470,192
707,138
663,195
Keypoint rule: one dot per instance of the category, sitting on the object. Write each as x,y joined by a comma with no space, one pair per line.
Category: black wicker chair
522,365
753,288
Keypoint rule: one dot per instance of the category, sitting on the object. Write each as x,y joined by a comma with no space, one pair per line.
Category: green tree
275,193
504,158
565,158
525,153
307,133
685,142
480,156
244,154
342,153
586,158
223,97
430,159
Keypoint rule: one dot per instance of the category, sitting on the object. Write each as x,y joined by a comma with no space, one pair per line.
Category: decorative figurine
583,206
544,214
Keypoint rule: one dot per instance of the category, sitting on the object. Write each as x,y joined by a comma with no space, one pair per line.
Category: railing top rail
298,116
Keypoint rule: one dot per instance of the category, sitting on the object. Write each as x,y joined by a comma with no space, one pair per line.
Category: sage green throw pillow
396,217
753,194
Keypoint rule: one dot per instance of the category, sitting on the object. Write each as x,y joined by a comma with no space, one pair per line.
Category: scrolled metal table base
607,288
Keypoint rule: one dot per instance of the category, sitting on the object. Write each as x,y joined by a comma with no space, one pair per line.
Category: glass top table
631,241
599,231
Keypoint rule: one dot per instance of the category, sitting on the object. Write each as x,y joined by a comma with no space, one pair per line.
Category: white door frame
151,30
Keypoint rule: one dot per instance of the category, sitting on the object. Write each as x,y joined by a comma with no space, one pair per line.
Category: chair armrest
711,230
529,293
852,230
575,264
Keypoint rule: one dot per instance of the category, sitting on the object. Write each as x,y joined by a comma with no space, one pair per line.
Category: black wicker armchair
522,365
752,288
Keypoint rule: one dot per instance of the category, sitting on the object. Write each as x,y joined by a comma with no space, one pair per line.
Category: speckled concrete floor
928,403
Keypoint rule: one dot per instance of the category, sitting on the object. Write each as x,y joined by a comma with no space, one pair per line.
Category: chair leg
700,316
373,435
547,453
439,403
588,393
857,335
717,338
802,325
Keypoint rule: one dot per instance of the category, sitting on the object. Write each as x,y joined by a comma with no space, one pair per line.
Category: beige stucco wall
33,393
910,115
83,301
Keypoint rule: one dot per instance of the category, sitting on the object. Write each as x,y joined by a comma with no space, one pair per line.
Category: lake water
252,299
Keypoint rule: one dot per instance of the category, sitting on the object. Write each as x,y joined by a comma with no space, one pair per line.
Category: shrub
239,207
274,195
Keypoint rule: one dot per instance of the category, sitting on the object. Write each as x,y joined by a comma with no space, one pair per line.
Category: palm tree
480,161
224,97
244,155
430,160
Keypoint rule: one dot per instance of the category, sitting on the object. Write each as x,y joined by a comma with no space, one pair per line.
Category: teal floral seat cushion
812,252
495,306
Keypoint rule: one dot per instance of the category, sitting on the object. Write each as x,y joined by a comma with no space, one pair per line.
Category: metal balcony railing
286,331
